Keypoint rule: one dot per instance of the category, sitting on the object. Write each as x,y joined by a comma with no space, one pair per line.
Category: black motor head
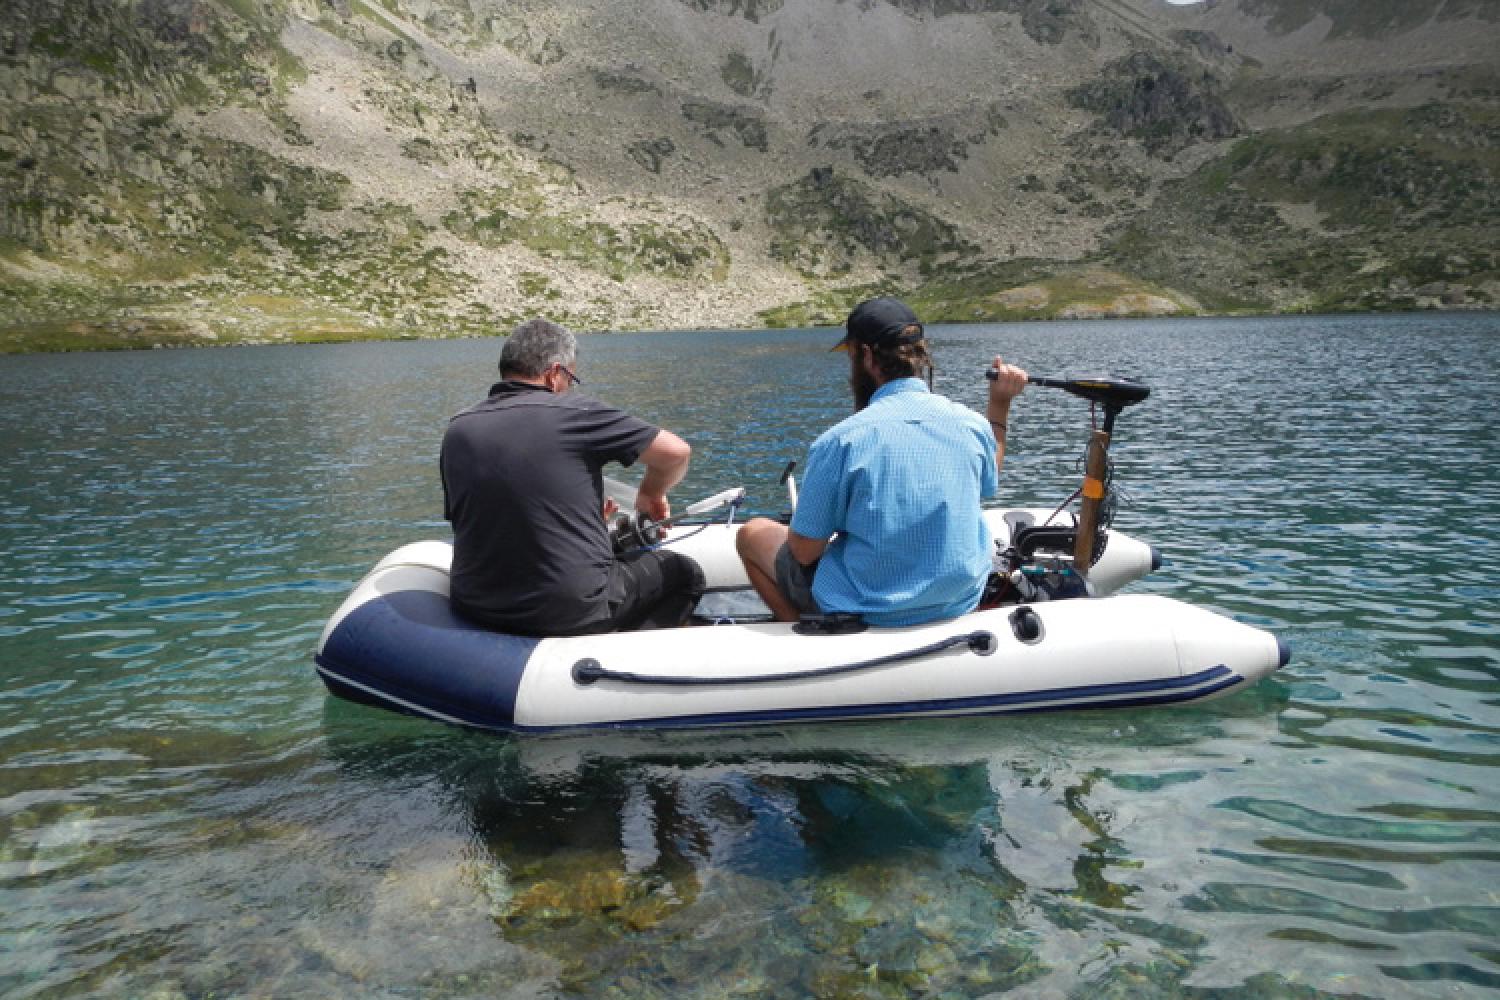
1108,391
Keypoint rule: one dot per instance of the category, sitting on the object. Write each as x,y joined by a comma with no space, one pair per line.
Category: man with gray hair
523,489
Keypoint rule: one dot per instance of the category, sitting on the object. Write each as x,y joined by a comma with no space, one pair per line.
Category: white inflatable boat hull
395,643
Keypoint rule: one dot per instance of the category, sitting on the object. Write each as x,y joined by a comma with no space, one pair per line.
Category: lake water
185,813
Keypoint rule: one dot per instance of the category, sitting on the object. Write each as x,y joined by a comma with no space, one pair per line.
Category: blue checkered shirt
899,483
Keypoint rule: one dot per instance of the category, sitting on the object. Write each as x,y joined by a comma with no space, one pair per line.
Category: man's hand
1008,382
666,460
653,506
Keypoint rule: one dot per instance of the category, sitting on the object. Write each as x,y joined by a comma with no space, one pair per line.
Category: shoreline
147,333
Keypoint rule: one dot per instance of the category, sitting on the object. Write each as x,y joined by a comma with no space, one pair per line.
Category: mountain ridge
186,171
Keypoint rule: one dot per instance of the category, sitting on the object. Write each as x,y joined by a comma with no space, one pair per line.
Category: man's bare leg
758,541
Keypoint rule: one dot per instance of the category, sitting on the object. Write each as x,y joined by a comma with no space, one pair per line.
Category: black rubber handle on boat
589,670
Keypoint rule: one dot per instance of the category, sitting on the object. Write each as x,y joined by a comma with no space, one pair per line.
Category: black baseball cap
881,323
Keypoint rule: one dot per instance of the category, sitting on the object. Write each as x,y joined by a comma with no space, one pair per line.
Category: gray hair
535,346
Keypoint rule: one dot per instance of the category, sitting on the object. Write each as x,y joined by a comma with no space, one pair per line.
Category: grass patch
675,247
1011,291
1403,198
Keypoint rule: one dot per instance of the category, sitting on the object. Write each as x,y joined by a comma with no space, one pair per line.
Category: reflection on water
184,813
822,862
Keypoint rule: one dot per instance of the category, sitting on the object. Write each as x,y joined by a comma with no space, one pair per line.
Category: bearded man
888,523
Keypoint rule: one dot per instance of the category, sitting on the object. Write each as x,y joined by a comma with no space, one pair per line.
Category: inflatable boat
396,643
1051,633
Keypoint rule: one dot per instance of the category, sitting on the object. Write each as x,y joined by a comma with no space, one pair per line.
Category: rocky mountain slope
223,170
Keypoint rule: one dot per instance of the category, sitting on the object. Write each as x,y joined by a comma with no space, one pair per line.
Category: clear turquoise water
184,813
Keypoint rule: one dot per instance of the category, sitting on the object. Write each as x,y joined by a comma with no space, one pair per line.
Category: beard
862,384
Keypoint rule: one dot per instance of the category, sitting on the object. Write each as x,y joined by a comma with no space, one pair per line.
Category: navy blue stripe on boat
1119,695
409,649
1128,694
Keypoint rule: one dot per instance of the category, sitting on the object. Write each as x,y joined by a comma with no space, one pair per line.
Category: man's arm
1009,383
805,550
666,459
821,503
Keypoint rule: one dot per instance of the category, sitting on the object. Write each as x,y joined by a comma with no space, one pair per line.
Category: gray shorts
795,581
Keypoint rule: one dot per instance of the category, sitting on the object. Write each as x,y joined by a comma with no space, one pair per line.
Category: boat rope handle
589,670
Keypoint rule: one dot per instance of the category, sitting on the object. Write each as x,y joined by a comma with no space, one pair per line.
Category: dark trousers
647,588
651,588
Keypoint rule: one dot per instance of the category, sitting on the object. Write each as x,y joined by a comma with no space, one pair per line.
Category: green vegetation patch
677,247
1372,19
750,10
826,223
535,285
383,268
1404,168
1048,22
826,306
997,291
1046,290
1165,105
422,150
534,46
740,75
142,54
133,187
652,153
1389,209
629,84
122,215
135,333
910,147
712,118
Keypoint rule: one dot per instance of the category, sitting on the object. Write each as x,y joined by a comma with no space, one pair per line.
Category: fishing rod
1113,395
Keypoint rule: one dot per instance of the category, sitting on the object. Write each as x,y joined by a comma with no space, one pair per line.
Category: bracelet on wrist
1004,427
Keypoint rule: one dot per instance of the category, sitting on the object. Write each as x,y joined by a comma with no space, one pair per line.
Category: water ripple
184,813
222,596
1283,901
1352,828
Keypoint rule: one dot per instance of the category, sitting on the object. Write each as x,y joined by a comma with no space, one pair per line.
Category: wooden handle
1095,469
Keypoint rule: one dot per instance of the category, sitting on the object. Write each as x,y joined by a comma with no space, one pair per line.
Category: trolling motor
1112,395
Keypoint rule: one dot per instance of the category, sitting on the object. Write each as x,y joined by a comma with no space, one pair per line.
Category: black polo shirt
523,490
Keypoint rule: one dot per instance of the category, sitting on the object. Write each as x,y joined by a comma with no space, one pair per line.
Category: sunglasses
572,379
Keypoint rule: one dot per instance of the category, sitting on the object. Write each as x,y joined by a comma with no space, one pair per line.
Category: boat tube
396,643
